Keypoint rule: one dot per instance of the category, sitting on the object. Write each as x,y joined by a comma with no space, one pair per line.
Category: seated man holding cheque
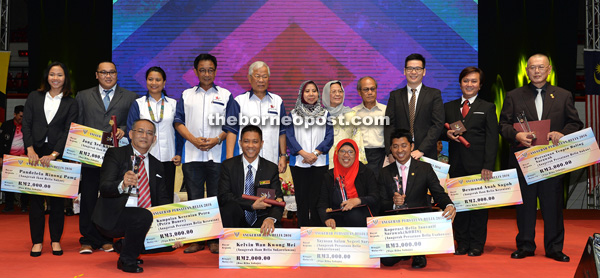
249,174
405,183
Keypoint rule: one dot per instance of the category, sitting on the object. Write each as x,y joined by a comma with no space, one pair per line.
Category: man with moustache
479,118
262,104
417,178
96,106
539,101
373,140
416,108
245,174
202,155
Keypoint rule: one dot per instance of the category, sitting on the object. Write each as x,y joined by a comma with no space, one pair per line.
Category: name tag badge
264,182
481,113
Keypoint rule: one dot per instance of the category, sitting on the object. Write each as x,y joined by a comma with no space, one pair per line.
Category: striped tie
411,111
143,186
249,190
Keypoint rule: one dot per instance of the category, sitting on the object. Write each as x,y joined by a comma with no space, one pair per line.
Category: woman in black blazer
349,192
48,114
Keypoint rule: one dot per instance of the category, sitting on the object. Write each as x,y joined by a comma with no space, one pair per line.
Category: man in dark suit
481,123
427,120
116,213
11,142
417,178
245,174
539,101
96,106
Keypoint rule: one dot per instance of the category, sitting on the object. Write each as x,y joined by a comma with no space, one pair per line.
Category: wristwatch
54,154
315,152
283,155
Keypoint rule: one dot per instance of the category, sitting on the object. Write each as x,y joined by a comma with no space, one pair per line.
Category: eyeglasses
540,67
210,71
350,152
415,69
366,90
258,77
105,73
142,132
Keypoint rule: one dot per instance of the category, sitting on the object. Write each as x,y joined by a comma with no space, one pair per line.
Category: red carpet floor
495,262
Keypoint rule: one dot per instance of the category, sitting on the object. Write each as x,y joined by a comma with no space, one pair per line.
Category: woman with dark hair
349,187
308,142
157,107
44,137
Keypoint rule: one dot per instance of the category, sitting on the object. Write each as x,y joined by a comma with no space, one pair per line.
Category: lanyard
162,109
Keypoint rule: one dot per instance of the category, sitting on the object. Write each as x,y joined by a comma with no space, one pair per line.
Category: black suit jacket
366,188
421,178
36,128
231,184
558,107
7,134
482,132
429,118
111,203
93,114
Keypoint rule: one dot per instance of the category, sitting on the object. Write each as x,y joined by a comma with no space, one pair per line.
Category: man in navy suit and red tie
539,101
119,214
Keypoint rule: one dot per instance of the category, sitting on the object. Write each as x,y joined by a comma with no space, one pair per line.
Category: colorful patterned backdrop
299,40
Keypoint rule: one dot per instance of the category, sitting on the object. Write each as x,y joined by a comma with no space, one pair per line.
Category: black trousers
233,216
375,158
356,217
550,194
307,185
133,224
88,187
10,200
470,229
169,178
37,219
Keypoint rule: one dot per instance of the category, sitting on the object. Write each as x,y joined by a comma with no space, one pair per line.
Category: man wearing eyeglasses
539,101
203,150
96,106
416,108
372,133
258,103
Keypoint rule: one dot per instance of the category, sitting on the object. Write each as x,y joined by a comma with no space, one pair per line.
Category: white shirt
372,134
462,100
51,105
254,167
418,92
146,163
103,93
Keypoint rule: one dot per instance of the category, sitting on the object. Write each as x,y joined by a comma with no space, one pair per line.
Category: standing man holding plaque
248,174
203,146
404,184
96,106
121,214
416,108
539,100
479,118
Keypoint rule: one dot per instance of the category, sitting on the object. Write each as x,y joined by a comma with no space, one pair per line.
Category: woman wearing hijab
308,143
333,101
350,187
47,118
160,109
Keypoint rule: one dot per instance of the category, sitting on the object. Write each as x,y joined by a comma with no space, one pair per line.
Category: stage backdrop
299,40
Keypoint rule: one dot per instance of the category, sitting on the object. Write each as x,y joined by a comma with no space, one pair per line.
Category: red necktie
465,108
143,186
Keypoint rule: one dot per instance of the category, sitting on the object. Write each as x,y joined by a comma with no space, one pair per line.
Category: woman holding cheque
47,117
349,192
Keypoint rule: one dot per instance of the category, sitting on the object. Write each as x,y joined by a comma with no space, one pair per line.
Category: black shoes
475,252
460,251
419,262
56,252
520,254
35,254
131,268
559,256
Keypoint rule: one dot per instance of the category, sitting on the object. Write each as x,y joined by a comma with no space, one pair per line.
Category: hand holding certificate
472,192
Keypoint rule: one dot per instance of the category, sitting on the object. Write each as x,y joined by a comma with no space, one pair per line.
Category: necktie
143,186
465,108
106,99
539,104
249,190
411,111
404,179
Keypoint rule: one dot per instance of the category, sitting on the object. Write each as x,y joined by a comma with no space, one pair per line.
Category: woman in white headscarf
333,101
309,140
